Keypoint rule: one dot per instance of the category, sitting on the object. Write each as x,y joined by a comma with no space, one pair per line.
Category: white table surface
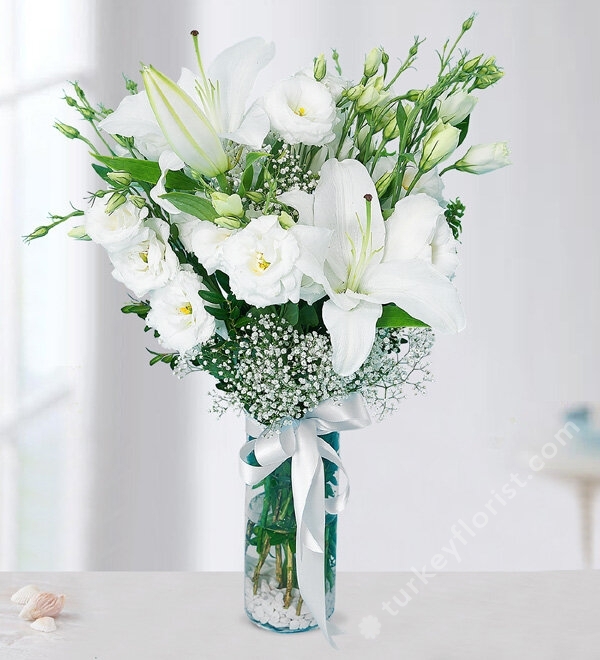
180,616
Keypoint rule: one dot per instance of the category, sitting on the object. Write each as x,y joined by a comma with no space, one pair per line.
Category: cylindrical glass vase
272,598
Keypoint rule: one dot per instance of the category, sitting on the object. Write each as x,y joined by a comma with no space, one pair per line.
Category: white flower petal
352,334
252,130
236,69
420,290
340,205
132,118
302,202
411,227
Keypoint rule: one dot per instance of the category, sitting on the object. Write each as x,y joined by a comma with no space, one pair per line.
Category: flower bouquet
298,248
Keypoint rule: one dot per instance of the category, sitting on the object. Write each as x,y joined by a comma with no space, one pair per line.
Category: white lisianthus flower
115,230
149,263
178,315
301,110
206,241
456,107
266,263
483,158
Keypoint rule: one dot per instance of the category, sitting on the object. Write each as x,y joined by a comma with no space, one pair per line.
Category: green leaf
196,206
147,171
211,297
101,172
309,318
394,317
291,313
141,309
217,312
463,127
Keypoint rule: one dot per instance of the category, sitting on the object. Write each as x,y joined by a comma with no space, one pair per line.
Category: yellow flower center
144,257
301,111
186,309
261,262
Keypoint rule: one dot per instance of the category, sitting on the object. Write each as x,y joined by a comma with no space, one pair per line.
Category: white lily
371,262
187,121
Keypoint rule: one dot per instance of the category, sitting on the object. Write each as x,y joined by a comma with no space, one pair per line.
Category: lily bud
286,220
440,143
320,67
114,201
228,223
372,62
120,178
227,205
185,127
456,107
483,158
383,183
68,131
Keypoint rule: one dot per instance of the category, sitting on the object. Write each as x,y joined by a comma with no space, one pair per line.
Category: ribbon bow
300,441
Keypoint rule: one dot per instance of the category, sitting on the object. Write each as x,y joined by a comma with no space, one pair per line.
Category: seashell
24,595
44,624
43,605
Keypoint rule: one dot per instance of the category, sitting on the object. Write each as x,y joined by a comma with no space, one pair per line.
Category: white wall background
165,491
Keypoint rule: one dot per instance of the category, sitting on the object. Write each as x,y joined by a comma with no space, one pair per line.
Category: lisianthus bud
385,58
286,220
372,95
71,101
469,65
372,62
439,144
391,130
414,95
255,197
456,107
68,131
468,24
320,67
120,178
228,223
114,201
482,158
383,183
227,205
138,201
353,93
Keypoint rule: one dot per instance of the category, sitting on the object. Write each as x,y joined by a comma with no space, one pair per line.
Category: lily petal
252,130
236,69
132,118
411,227
302,202
352,334
419,289
340,205
185,127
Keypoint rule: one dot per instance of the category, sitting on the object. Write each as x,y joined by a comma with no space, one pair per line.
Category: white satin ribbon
300,441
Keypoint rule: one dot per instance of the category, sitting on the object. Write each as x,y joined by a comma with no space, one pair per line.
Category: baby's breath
273,371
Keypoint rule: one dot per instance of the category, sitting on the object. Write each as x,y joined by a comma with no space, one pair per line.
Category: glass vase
272,598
